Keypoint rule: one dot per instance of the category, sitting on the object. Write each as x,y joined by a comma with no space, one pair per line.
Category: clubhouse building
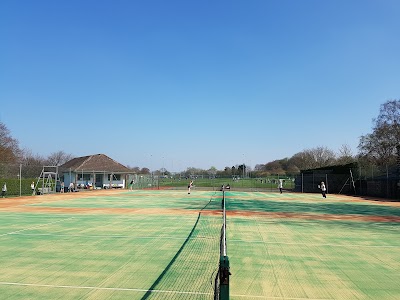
96,171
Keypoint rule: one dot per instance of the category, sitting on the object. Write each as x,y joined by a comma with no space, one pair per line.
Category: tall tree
381,145
9,148
389,113
241,169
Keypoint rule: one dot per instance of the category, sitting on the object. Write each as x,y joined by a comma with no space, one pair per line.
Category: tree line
12,157
379,148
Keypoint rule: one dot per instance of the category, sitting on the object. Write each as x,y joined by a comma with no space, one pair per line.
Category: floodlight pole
20,179
326,181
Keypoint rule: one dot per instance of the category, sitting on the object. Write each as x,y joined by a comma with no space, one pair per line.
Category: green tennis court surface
165,245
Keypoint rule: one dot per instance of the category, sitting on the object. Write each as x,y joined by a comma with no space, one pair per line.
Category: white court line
315,245
101,288
144,290
17,215
51,223
271,297
117,236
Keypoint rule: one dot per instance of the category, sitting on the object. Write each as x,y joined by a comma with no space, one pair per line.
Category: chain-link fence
18,178
374,181
143,181
265,184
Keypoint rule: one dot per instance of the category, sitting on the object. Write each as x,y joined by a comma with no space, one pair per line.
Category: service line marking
38,226
116,236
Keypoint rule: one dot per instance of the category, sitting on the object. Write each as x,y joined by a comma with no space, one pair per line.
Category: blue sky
180,84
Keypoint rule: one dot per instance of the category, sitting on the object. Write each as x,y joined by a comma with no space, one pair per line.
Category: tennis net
221,283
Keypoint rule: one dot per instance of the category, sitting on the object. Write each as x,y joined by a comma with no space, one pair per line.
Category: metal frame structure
48,180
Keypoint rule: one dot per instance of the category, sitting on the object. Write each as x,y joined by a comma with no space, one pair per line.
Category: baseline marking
310,244
102,288
272,297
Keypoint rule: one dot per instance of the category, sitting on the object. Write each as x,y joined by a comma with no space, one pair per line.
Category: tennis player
190,186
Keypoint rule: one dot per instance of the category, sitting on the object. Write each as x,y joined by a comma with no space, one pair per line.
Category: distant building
94,171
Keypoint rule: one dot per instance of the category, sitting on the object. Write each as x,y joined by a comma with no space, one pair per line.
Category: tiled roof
94,163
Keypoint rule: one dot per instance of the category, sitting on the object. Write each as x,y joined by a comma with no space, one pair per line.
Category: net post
224,278
224,259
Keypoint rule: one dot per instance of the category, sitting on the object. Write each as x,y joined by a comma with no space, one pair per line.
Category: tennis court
165,244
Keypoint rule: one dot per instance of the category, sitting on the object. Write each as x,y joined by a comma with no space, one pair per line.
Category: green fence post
224,277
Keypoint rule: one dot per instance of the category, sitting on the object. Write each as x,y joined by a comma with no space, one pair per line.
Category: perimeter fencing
143,181
375,181
18,178
262,184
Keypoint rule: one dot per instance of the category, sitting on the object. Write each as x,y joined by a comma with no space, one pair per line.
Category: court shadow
161,276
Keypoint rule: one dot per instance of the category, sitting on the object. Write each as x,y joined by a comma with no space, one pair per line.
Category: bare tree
345,151
303,160
144,171
259,167
389,114
274,167
381,146
134,169
313,158
32,164
58,158
212,171
345,155
378,146
292,169
9,148
323,156
191,171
